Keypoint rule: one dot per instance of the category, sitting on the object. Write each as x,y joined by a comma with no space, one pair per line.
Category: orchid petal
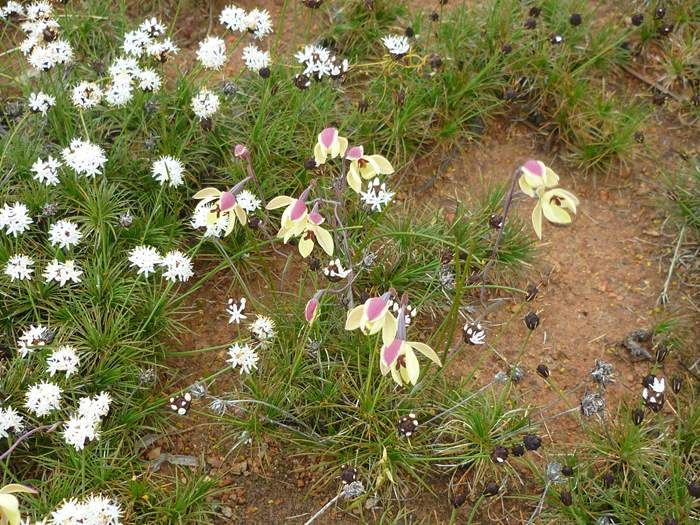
279,202
389,329
391,351
382,165
412,366
426,351
537,219
354,318
325,239
306,246
206,193
555,214
353,178
241,214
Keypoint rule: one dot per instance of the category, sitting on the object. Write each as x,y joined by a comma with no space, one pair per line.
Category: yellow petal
354,317
207,193
525,187
306,246
319,154
537,219
389,329
342,145
9,509
241,214
278,202
229,226
13,488
555,214
412,366
325,239
426,351
381,165
551,179
353,178
396,376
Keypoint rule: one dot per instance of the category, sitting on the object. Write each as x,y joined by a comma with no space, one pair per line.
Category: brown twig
27,435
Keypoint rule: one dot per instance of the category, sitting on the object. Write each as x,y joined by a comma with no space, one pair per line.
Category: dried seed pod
637,19
181,404
638,416
407,425
532,320
565,497
491,489
543,370
499,455
517,450
676,384
348,474
532,442
575,19
567,470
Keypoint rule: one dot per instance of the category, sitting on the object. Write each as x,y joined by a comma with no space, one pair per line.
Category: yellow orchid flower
313,231
534,175
225,205
9,505
372,316
555,205
397,355
330,144
365,167
295,216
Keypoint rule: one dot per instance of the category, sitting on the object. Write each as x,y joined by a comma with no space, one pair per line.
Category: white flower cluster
263,329
10,419
212,52
84,157
93,510
83,426
31,338
257,22
46,171
397,45
243,356
255,59
64,234
168,170
62,272
14,218
43,398
40,102
205,104
376,195
319,62
245,199
176,265
63,359
148,41
42,46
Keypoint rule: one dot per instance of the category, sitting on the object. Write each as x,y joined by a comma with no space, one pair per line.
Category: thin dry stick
497,244
663,296
27,435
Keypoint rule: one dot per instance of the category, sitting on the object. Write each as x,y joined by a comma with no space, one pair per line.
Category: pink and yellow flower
9,505
222,204
295,216
397,355
312,308
313,231
330,144
365,167
372,316
534,174
555,206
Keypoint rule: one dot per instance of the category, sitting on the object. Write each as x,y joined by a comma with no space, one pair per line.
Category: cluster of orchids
554,204
397,355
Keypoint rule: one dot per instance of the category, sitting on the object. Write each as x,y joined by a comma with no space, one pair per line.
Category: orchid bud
241,151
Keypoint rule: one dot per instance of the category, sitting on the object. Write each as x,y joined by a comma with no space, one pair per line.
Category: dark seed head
565,497
517,450
458,500
530,23
499,455
301,81
407,425
535,11
4,353
532,291
496,221
637,19
491,489
435,61
661,353
648,380
313,4
434,16
695,101
409,32
555,39
575,19
443,2
608,479
532,442
314,263
229,88
639,137
310,164
567,470
694,489
206,124
363,105
666,29
348,474
676,384
532,320
510,95
638,416
660,12
264,72
670,521
506,49
254,222
543,370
